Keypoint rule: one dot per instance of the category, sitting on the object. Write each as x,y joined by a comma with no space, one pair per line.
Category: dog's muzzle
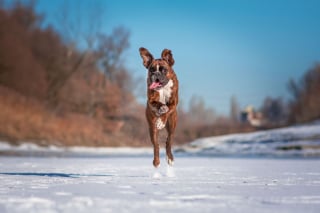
158,80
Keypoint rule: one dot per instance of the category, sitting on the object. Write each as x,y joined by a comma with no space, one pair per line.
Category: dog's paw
156,162
163,109
160,124
170,160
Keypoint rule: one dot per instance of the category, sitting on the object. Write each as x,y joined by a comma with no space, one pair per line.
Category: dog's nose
156,77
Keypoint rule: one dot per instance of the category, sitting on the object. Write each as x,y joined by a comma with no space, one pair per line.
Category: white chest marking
165,92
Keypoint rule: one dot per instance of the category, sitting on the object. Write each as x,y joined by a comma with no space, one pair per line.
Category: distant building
254,118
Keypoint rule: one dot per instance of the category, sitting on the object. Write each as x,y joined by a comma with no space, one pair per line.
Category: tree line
71,86
40,66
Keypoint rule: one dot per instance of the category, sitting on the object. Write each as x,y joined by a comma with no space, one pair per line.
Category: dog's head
159,70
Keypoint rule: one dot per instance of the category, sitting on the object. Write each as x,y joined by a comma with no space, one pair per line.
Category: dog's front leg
171,106
157,108
171,126
162,110
171,121
154,140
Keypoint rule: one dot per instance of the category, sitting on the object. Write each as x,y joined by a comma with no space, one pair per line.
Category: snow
126,184
295,141
266,171
30,149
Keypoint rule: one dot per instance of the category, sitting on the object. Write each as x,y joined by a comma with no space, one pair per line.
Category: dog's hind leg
171,126
169,154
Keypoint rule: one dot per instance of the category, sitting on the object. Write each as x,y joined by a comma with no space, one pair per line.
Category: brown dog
162,101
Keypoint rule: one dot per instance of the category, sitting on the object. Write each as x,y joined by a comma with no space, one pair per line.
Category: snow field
127,184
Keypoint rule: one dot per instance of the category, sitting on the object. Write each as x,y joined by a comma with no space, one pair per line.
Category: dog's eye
152,69
162,69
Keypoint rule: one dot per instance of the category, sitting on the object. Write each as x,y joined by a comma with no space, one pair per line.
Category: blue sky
246,48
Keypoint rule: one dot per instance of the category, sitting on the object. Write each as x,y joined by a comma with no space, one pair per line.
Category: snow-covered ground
127,184
31,150
78,179
295,141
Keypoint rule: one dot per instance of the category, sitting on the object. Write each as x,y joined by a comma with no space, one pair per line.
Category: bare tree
80,36
234,109
305,105
274,110
198,113
110,50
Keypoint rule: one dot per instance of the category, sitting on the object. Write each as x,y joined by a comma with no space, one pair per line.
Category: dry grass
27,119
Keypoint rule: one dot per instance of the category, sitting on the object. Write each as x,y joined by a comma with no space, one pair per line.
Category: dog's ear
167,56
146,56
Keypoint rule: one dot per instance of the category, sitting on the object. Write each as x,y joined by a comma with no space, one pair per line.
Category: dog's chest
165,93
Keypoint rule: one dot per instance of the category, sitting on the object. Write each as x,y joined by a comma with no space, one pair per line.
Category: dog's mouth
158,82
155,85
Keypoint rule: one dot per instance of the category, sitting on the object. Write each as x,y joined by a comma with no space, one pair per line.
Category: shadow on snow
49,174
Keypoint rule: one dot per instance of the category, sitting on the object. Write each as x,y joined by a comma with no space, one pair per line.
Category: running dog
162,92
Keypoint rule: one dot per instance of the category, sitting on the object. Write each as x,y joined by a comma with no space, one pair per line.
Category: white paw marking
170,162
160,124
